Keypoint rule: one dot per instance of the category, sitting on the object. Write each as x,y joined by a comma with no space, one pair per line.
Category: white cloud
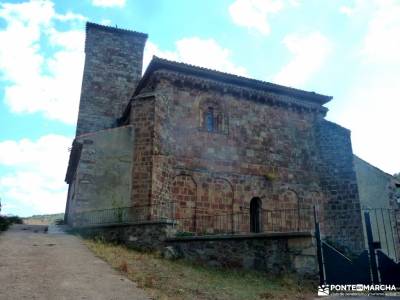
37,82
70,16
106,22
346,10
382,42
309,55
152,49
207,53
372,113
37,173
254,14
295,3
192,51
372,103
108,3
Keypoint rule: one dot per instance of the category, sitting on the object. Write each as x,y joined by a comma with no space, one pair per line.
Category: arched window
212,118
255,215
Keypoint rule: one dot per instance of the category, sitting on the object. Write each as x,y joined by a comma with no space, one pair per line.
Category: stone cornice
117,30
264,235
262,96
163,64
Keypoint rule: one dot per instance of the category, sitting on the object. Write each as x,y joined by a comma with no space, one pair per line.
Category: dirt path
37,265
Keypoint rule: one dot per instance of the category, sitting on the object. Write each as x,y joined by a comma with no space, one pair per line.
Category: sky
348,49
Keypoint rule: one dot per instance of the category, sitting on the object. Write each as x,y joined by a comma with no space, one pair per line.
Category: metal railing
121,215
335,225
201,223
385,227
282,220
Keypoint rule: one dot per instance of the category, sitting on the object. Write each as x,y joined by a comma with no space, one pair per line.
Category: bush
15,220
184,233
5,222
59,222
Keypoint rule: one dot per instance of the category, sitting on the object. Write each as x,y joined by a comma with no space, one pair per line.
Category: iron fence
342,227
201,223
282,220
385,223
122,215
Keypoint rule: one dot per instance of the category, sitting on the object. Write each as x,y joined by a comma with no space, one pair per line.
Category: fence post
391,231
372,256
232,223
319,249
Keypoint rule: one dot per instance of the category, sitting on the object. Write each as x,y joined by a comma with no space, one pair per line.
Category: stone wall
273,147
102,178
340,214
376,188
220,172
283,253
142,236
113,67
272,253
142,121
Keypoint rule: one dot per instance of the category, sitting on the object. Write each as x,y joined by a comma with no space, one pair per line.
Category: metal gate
378,264
389,270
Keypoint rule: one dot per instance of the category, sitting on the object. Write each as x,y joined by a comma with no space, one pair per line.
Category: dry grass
165,279
43,219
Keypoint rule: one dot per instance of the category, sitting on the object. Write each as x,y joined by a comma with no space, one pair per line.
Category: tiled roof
114,29
160,63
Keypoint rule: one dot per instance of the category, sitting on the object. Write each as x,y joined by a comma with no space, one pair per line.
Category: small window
212,118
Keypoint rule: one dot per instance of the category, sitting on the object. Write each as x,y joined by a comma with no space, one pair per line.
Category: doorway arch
255,215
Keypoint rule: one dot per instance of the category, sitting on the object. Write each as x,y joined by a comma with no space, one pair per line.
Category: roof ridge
375,167
114,29
258,82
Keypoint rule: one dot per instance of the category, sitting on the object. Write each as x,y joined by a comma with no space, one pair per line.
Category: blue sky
348,49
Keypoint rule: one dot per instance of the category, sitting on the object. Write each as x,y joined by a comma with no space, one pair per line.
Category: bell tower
113,67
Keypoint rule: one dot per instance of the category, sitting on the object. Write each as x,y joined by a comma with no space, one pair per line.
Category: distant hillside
43,219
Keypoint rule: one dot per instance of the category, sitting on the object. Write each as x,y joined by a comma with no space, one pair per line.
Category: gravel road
39,265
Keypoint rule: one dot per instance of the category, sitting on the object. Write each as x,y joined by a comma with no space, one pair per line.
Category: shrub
5,222
15,220
270,176
59,222
184,233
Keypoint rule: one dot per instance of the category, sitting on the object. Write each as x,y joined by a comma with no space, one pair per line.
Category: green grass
179,279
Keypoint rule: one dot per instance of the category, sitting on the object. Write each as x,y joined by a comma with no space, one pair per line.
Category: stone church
192,144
